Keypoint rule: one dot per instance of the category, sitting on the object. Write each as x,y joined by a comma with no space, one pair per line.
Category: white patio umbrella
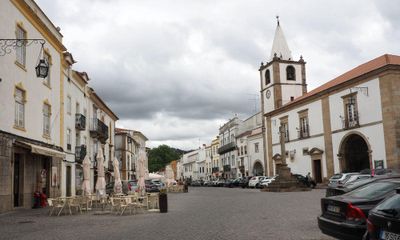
117,177
142,173
86,176
101,181
169,174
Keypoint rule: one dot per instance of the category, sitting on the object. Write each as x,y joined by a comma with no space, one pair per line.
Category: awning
44,150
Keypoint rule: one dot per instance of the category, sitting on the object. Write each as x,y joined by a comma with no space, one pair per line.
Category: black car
345,216
306,182
340,190
244,182
350,186
384,220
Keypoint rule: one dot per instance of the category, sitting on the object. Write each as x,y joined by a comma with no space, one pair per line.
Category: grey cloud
194,62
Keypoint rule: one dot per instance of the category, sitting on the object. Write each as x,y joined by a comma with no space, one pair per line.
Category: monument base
285,182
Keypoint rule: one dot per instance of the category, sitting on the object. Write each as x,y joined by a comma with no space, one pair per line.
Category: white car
264,183
255,181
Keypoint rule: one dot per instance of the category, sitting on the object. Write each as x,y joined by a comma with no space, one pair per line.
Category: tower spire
280,46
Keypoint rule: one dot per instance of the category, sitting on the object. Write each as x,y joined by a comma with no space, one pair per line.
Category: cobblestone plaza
203,213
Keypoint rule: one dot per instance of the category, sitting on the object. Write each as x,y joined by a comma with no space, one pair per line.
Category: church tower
282,78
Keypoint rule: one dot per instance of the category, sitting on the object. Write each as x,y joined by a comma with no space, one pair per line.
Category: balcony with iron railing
227,168
227,148
80,153
80,121
98,130
215,169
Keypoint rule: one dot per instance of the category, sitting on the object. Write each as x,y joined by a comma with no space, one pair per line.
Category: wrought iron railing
227,148
99,130
80,121
80,153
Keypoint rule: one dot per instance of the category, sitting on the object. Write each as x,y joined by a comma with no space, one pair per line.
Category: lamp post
6,46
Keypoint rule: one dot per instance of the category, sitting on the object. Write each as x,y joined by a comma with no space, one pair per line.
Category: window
290,73
77,108
68,139
233,160
69,105
245,149
21,45
267,77
304,129
19,120
46,119
47,56
351,114
77,139
285,131
256,147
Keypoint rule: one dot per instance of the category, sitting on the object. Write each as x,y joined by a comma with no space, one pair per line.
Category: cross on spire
277,19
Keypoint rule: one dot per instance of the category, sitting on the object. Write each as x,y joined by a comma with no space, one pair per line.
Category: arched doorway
258,169
354,153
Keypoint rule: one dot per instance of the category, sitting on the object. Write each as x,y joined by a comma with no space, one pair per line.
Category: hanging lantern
42,69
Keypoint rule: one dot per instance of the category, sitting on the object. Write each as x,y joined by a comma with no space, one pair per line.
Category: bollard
163,202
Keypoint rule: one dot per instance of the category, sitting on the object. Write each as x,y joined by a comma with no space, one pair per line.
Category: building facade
31,151
228,147
330,129
47,125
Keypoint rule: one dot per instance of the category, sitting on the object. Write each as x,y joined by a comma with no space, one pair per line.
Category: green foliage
162,155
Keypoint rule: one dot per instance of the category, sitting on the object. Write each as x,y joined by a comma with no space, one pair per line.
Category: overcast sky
178,69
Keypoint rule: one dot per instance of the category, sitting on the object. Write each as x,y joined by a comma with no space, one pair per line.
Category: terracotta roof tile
374,64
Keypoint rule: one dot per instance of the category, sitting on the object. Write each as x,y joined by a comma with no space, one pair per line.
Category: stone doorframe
278,160
316,154
259,162
342,144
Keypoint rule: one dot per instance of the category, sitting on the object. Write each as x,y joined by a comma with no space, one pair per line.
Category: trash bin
163,202
186,189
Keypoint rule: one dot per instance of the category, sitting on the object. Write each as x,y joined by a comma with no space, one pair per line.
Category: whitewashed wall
36,91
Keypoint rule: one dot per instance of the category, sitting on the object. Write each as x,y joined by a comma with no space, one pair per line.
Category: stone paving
203,213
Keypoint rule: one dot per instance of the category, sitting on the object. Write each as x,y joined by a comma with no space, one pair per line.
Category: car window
390,203
336,176
373,190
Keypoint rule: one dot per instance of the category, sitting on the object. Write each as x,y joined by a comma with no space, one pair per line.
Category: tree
162,155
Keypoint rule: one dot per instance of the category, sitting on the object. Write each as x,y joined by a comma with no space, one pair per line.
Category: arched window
267,77
290,73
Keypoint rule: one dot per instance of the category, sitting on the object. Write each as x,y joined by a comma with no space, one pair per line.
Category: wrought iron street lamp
6,46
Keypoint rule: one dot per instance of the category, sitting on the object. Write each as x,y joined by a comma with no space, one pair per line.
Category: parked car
345,216
244,182
195,183
158,183
220,182
234,182
255,181
150,186
302,179
340,178
351,185
128,186
207,183
384,220
266,181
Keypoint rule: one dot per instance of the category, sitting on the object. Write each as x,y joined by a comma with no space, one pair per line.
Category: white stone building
347,124
250,147
31,151
44,123
228,148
